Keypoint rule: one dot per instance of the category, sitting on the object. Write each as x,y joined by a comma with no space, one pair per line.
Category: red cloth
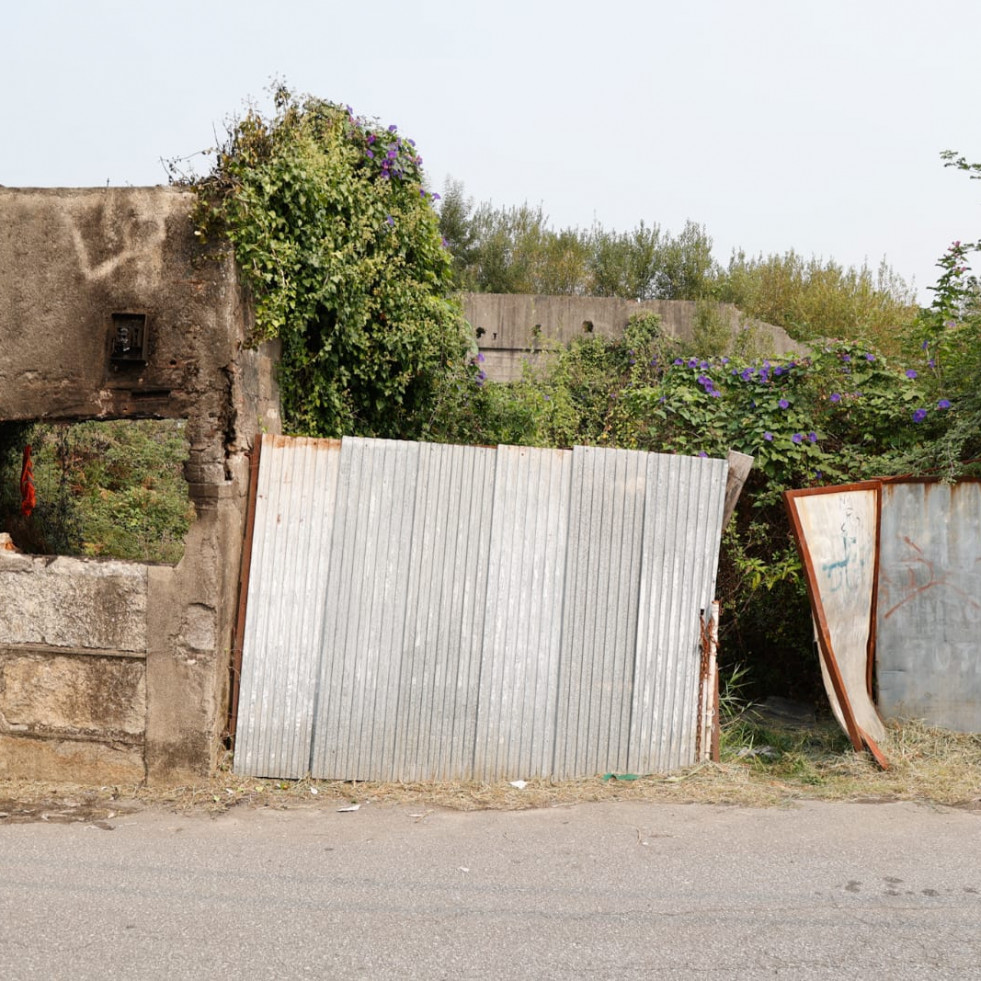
28,499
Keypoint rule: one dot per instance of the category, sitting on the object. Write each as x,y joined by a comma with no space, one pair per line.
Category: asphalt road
611,890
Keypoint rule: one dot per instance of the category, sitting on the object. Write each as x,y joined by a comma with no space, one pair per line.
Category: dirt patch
61,810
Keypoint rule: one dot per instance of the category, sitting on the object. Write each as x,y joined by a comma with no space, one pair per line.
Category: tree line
514,249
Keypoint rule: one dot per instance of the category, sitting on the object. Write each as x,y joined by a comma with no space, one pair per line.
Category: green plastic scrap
621,776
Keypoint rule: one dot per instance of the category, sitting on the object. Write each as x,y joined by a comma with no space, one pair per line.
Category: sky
776,124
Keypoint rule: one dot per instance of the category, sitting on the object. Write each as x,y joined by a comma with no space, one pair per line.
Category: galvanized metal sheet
599,623
287,589
684,503
357,691
398,683
928,650
522,638
478,612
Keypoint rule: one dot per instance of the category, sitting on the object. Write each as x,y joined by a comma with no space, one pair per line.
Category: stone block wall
73,651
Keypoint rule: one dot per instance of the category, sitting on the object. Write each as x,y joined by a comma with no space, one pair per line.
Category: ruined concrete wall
111,308
514,328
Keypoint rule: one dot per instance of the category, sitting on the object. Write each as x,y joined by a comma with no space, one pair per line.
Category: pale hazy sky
777,124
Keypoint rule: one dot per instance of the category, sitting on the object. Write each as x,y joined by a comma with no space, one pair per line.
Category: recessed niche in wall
129,338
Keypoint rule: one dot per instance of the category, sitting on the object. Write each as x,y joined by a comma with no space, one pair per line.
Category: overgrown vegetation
335,233
103,489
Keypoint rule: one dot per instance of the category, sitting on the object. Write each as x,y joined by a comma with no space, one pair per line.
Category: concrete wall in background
110,308
514,328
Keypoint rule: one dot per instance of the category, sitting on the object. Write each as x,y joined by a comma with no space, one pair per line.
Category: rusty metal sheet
837,534
928,651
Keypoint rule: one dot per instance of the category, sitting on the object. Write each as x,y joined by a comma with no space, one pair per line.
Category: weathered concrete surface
514,328
77,760
41,692
69,602
79,267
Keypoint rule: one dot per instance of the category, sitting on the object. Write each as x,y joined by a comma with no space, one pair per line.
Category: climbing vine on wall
335,234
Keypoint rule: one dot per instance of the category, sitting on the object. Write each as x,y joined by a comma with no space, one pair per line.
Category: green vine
336,236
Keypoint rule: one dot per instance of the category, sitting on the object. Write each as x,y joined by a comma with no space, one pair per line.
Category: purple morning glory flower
390,220
677,361
924,345
932,363
813,437
798,437
835,397
369,154
919,415
846,358
747,374
480,356
943,404
778,371
692,362
392,128
436,197
910,372
784,404
870,357
768,437
703,453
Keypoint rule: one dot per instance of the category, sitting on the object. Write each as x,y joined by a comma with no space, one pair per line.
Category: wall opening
105,489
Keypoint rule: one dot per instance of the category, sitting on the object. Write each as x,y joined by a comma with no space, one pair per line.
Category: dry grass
926,764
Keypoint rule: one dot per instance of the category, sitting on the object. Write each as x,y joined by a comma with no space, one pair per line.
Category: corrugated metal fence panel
447,587
473,612
287,588
684,504
928,651
599,626
357,694
523,621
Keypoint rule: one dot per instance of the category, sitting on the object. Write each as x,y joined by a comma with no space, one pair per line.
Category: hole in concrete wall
112,489
587,326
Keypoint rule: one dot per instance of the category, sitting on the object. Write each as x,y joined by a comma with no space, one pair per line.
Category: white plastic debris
520,784
351,807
